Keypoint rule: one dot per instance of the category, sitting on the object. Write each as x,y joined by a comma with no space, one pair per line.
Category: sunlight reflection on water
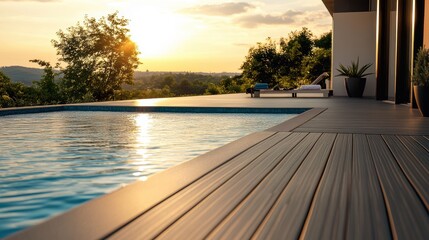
51,162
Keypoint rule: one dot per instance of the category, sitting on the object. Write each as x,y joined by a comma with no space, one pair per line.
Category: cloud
315,17
251,21
223,9
293,13
247,45
249,15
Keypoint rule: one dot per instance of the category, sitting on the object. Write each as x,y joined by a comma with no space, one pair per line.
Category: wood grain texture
408,216
200,220
423,141
415,171
297,121
367,216
246,217
99,217
329,207
417,146
151,223
286,218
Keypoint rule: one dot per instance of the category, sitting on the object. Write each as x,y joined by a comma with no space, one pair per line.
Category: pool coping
172,109
96,218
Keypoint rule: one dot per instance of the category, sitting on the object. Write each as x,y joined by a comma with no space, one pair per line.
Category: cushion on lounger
310,87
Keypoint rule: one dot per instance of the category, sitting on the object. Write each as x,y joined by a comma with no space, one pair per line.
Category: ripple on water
51,162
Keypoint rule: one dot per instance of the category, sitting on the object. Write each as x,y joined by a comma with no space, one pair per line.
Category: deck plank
359,189
329,206
153,222
367,217
424,142
419,148
286,218
200,220
97,218
415,171
245,219
408,217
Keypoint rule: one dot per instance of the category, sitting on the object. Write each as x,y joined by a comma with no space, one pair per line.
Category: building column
382,58
404,56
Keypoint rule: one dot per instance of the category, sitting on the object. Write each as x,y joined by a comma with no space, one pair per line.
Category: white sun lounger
313,88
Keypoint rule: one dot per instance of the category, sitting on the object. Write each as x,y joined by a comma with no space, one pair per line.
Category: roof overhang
329,4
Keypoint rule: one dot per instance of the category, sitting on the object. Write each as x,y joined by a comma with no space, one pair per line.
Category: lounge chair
254,92
314,87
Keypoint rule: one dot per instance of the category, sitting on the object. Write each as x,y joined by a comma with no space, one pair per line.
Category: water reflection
51,162
143,123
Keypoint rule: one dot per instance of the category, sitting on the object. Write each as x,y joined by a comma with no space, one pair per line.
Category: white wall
354,36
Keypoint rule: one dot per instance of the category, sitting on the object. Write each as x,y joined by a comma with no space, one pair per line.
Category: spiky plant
353,71
421,68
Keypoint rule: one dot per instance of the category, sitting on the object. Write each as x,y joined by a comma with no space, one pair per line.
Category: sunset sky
172,35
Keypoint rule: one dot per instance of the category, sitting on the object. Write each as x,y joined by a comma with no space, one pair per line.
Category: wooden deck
357,171
309,185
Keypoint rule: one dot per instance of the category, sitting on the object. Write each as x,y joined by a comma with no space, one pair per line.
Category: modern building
387,33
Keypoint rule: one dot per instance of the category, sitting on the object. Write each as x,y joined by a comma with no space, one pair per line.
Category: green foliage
353,70
236,84
15,94
180,84
99,57
291,62
262,62
317,62
421,68
298,45
213,89
47,89
5,100
324,41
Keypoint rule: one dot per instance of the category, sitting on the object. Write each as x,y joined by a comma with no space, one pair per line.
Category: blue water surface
51,162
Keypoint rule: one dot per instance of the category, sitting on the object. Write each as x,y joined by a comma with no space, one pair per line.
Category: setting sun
156,31
171,35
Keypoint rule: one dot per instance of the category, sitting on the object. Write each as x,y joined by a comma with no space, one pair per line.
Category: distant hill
24,75
27,75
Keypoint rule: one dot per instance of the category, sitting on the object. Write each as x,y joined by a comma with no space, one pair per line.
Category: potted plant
354,81
421,81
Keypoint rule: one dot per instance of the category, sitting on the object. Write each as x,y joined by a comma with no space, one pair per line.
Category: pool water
51,162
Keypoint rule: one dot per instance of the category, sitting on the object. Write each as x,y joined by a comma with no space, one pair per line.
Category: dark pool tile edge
181,109
28,110
174,109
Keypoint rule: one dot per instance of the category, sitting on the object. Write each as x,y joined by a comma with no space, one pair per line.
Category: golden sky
172,35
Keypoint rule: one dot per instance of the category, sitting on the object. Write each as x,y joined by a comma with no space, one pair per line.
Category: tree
262,62
324,41
293,51
15,94
5,99
293,61
316,63
47,88
99,57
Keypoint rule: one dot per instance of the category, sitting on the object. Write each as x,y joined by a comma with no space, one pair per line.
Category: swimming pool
51,162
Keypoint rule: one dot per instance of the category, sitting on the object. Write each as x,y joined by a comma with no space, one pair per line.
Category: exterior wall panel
354,35
352,6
